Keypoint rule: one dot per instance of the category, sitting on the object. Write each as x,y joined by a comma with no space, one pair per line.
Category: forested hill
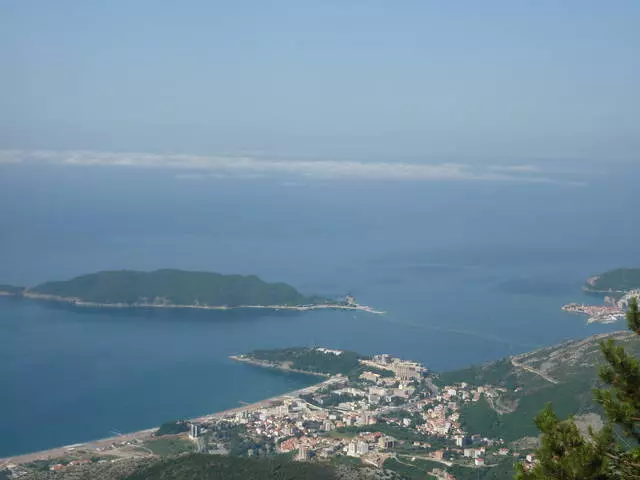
618,280
174,287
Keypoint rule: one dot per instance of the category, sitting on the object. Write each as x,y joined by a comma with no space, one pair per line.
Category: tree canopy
175,287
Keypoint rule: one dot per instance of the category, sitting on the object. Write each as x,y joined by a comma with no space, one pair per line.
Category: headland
617,286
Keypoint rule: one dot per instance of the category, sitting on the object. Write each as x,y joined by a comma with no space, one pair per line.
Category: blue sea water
467,272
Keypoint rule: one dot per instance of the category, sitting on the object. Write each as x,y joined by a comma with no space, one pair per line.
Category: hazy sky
339,79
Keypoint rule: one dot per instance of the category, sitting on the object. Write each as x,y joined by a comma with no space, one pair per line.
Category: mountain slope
563,374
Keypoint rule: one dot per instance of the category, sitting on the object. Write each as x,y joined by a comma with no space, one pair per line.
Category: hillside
211,467
174,287
563,374
618,280
208,467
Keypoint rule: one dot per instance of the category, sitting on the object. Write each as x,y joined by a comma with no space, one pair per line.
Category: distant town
612,310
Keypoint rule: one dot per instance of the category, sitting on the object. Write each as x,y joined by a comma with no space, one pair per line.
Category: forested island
619,280
175,287
170,288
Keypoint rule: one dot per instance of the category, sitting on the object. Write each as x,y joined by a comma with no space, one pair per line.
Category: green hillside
175,287
213,467
620,279
572,365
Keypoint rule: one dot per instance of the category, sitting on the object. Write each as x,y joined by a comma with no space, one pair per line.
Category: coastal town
390,414
612,310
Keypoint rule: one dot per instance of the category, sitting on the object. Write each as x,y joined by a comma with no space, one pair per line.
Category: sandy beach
101,445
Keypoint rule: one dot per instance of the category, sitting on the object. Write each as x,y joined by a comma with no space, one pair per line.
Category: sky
353,82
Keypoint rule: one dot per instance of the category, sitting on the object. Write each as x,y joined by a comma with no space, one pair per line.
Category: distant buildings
362,447
329,350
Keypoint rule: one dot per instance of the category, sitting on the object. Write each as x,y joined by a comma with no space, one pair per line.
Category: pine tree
621,402
565,454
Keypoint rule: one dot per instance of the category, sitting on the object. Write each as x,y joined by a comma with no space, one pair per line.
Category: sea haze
468,271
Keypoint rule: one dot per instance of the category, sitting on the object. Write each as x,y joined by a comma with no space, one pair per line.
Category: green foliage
175,287
618,279
568,398
312,360
172,428
416,418
500,373
501,471
622,401
416,470
566,454
330,400
215,467
236,440
169,446
479,417
633,316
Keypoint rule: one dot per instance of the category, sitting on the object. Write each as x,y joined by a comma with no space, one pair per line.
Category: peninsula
170,288
618,287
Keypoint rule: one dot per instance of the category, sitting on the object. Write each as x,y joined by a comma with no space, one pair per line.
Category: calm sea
467,271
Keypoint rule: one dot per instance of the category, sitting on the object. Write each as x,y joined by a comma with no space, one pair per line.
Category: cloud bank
230,166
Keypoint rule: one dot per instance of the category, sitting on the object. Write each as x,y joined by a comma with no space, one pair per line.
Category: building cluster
405,398
391,410
402,369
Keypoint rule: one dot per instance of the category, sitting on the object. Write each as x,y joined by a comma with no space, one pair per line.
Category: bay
467,272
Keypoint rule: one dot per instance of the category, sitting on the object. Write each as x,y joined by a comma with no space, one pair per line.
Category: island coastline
77,302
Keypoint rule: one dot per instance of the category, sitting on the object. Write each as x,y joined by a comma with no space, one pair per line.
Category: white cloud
515,168
242,166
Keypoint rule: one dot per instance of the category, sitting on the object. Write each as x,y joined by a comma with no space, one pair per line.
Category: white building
362,448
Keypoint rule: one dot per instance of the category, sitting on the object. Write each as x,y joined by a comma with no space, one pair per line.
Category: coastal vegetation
499,373
169,446
172,428
617,280
312,360
174,287
214,467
